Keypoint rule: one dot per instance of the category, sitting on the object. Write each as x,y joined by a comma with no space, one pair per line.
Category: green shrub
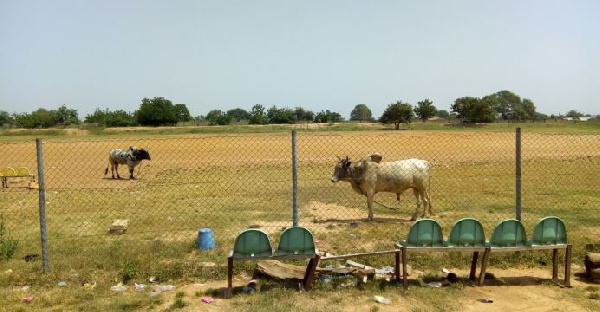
7,246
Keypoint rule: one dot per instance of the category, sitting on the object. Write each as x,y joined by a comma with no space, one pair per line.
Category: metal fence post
295,177
518,175
42,203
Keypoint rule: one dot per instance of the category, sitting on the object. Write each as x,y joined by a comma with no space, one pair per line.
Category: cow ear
376,157
347,163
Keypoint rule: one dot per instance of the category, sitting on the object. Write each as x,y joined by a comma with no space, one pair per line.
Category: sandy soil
512,290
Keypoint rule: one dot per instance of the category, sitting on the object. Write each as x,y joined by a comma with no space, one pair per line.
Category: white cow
370,176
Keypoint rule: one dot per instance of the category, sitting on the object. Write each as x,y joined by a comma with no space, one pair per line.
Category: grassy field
231,178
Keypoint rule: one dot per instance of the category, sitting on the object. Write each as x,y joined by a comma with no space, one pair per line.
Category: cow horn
347,158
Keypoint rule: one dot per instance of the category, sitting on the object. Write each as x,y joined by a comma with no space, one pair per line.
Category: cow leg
427,202
370,205
416,214
112,169
131,174
117,171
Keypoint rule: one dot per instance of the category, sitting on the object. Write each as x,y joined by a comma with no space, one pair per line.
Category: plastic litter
62,284
485,300
348,281
87,285
139,286
248,290
154,279
207,299
160,288
31,257
382,300
435,284
118,287
325,278
28,299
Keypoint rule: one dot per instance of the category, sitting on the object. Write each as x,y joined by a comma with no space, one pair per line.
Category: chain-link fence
231,182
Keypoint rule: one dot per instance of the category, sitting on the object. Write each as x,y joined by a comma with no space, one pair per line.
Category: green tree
65,116
98,117
106,118
300,114
258,115
397,113
156,112
442,113
471,109
239,114
510,106
574,113
527,109
280,115
120,118
361,112
328,116
182,113
504,103
425,109
6,119
40,118
217,117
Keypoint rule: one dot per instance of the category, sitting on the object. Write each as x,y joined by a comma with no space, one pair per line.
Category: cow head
140,153
341,170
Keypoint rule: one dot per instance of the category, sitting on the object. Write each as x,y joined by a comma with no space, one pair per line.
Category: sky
318,55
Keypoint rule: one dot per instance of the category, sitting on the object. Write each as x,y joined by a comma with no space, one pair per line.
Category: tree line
502,105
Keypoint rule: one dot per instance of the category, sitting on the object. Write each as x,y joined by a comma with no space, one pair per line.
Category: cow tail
106,170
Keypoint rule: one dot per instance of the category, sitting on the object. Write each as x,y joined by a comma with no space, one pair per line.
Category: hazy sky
315,54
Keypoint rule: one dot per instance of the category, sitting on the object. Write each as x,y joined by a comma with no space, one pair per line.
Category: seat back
252,243
424,233
7,172
22,171
549,231
467,232
508,233
296,240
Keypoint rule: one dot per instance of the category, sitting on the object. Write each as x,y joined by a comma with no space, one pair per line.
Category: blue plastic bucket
206,239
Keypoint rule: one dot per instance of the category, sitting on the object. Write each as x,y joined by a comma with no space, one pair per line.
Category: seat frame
404,250
308,275
529,246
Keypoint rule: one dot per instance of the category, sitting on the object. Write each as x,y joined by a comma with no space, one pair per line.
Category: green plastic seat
252,243
296,241
424,233
508,233
467,232
549,231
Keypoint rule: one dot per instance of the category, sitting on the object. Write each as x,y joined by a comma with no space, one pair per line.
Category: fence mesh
231,182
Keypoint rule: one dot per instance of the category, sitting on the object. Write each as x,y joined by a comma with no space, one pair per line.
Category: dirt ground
512,290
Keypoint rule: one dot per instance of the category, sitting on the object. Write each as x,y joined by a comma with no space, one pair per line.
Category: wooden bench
9,172
295,243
